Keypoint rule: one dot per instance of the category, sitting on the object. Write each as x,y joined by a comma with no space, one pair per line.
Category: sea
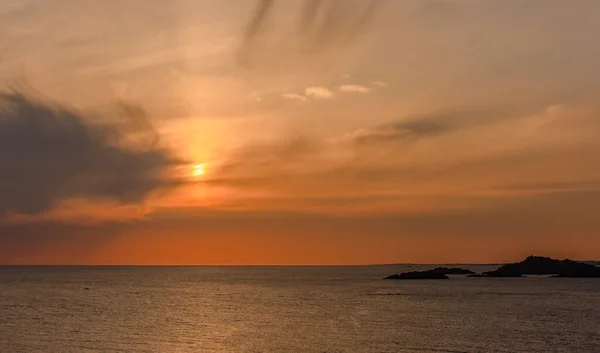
291,309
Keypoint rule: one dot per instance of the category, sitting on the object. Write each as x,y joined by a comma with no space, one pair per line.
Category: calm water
290,309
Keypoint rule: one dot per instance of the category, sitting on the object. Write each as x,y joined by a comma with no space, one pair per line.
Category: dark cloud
50,153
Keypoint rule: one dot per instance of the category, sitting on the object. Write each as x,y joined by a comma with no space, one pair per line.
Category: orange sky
371,132
330,250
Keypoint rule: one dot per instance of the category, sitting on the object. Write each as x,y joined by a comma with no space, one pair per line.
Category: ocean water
290,309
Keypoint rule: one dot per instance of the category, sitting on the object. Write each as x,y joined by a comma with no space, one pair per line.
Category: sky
298,132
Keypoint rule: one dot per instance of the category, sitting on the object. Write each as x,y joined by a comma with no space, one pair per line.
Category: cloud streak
354,89
309,14
294,96
261,12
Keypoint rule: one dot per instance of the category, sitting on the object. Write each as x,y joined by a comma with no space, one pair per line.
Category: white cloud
294,96
319,92
379,84
354,89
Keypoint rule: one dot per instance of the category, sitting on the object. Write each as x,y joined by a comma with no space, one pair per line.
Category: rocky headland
539,265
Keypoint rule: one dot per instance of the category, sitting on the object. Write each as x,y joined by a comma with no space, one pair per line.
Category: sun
198,170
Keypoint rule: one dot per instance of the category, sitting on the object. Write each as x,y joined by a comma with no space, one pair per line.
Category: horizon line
264,265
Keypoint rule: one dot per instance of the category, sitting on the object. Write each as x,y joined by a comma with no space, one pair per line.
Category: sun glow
198,170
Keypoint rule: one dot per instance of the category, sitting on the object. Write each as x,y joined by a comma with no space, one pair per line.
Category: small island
539,265
436,273
430,274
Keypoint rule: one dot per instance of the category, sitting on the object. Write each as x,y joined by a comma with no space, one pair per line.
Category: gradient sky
298,132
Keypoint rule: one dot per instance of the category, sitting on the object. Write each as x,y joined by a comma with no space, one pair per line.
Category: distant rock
453,271
430,274
538,265
436,273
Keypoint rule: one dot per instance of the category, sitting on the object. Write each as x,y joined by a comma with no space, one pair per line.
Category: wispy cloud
319,92
294,96
422,156
354,89
379,84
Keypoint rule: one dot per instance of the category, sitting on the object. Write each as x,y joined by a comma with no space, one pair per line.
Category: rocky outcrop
538,265
453,271
430,274
436,273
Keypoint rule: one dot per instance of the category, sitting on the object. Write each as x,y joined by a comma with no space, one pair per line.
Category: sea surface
290,309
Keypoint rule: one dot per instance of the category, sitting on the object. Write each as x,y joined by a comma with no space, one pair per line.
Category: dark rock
430,274
436,273
538,265
453,271
590,271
